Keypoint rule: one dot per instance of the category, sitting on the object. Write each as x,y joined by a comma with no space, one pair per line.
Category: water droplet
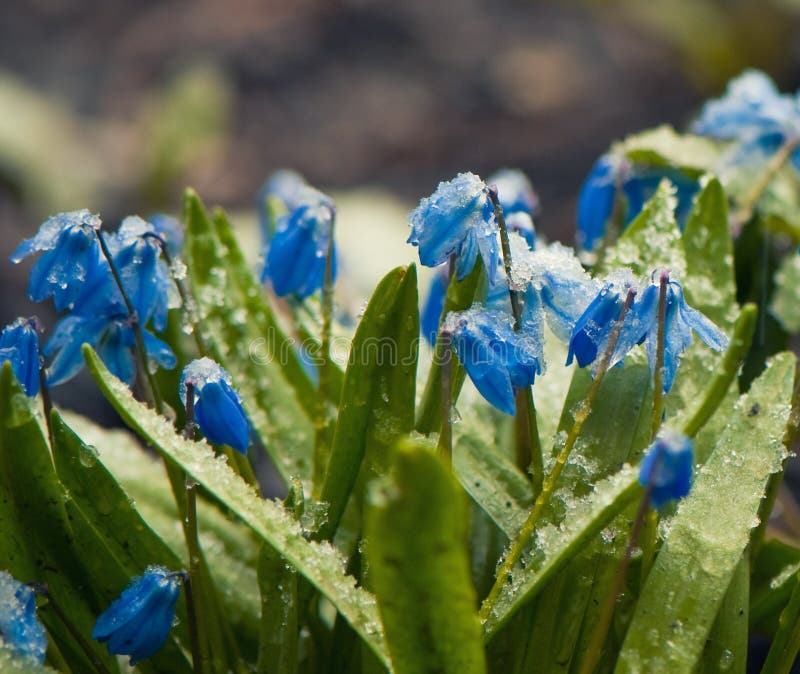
88,456
726,660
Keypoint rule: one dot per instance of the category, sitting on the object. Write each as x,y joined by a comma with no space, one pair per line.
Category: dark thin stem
321,439
200,654
595,649
135,325
446,435
47,403
658,375
528,529
529,446
62,615
187,301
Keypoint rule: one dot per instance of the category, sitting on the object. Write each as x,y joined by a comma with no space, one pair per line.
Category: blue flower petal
69,334
19,345
514,192
220,416
432,311
20,628
596,201
666,468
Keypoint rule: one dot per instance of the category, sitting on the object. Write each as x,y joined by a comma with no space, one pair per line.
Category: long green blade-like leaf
786,642
378,394
38,539
710,531
320,563
419,566
238,327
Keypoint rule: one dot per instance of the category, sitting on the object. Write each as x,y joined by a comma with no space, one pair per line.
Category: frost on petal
515,192
20,628
51,229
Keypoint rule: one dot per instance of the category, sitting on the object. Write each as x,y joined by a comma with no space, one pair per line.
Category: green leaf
786,297
416,528
460,295
662,146
774,571
38,539
119,544
786,643
242,334
711,531
277,645
709,282
13,663
320,563
377,404
652,240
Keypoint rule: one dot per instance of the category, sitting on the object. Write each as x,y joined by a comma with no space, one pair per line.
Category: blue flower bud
20,628
69,254
679,321
496,358
457,219
277,196
666,469
217,408
593,330
297,254
19,345
138,622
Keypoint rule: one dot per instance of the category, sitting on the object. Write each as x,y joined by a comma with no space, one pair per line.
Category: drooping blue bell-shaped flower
666,469
217,407
138,622
19,345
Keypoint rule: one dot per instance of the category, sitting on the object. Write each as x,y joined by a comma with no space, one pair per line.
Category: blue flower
170,230
217,408
612,175
519,201
666,469
679,321
522,224
144,274
20,628
593,329
278,195
138,622
296,255
432,311
457,219
496,358
111,336
19,345
69,253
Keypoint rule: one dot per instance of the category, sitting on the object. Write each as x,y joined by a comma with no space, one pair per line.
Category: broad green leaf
556,545
786,298
38,539
711,530
460,295
239,329
319,563
652,240
377,404
279,632
726,647
662,146
709,281
416,526
774,571
119,543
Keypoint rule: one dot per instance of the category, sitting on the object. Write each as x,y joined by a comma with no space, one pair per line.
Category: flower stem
322,439
135,325
595,649
445,445
779,159
187,301
47,402
62,615
528,529
199,642
528,444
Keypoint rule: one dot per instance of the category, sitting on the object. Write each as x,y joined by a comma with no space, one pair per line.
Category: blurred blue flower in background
20,628
612,177
138,622
432,310
666,469
457,219
277,196
70,253
519,201
496,358
19,345
217,408
296,256
170,230
755,115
